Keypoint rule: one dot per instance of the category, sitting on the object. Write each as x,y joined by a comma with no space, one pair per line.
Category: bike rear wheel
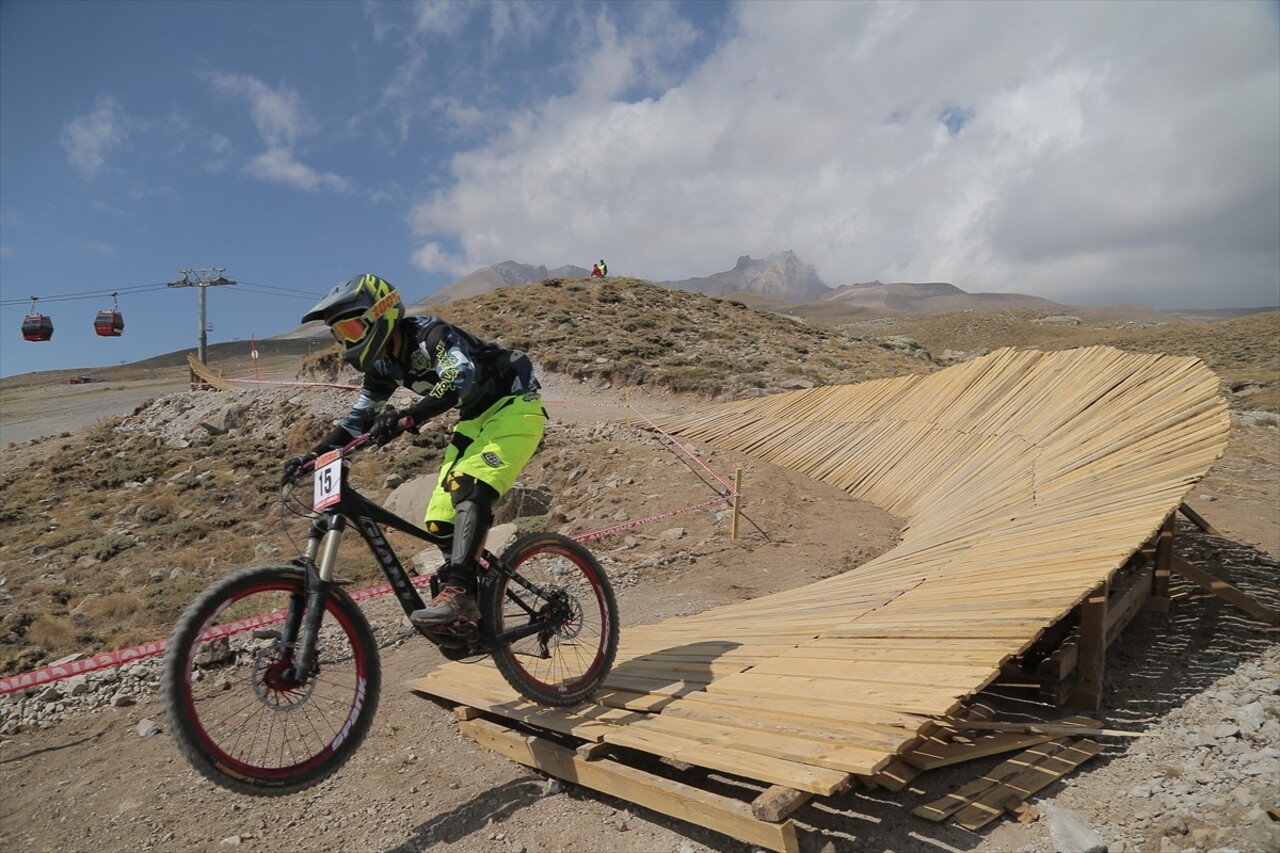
231,702
569,600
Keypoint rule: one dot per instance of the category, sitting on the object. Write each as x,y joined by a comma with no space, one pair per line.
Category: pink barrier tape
50,674
687,450
248,381
640,522
60,671
57,672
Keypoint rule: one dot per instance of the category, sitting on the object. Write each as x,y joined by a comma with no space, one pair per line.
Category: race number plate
328,480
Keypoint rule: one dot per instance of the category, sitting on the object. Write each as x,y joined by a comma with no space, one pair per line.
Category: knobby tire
580,615
227,702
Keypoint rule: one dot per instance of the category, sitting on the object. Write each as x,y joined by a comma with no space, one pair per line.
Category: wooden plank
723,757
1198,520
778,802
675,799
946,806
1006,796
1085,728
589,722
832,753
853,732
1224,590
957,752
898,773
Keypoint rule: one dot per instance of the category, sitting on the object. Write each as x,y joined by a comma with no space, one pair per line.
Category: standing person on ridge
604,268
501,419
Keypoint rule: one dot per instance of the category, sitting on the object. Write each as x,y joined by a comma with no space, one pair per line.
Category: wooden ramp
1027,479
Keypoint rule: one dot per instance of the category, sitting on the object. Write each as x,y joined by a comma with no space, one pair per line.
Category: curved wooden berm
1026,479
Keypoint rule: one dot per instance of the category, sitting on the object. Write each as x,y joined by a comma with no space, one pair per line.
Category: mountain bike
271,676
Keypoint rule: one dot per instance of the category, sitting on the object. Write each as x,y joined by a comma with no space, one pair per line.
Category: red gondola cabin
36,326
109,324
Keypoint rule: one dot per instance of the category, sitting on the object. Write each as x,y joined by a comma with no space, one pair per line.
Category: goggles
351,330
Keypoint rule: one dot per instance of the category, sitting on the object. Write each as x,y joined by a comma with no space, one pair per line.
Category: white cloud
281,119
1091,147
277,113
278,166
432,257
91,138
443,17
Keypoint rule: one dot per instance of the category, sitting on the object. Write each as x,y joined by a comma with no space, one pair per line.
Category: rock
214,652
147,728
906,346
122,700
1223,731
500,537
392,481
1250,717
50,694
1070,832
552,786
1258,831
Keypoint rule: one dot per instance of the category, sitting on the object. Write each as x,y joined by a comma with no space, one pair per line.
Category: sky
1090,153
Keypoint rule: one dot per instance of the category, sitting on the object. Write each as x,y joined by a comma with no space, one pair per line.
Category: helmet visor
350,330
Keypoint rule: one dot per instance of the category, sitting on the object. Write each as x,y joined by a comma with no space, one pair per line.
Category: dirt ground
92,783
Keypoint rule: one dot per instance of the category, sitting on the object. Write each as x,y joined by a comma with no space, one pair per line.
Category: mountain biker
500,419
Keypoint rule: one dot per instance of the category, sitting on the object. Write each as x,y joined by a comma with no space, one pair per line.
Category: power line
310,294
87,294
252,287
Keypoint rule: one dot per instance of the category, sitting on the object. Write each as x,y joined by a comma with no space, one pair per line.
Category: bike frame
320,556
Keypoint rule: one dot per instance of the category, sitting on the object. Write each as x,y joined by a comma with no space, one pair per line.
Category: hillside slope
628,332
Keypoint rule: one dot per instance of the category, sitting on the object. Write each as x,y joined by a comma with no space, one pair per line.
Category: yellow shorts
495,446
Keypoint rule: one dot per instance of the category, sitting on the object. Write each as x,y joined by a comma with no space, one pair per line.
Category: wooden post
1092,653
737,499
1159,600
1198,520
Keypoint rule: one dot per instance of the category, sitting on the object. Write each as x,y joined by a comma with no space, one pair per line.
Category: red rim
235,766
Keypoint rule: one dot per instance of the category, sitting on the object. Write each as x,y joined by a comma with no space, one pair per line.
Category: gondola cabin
109,324
37,327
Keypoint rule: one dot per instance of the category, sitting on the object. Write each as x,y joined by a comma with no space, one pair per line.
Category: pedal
454,635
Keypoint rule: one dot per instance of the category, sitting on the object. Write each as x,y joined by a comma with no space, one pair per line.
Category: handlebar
347,449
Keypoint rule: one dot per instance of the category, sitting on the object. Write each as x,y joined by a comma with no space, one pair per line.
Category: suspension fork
327,530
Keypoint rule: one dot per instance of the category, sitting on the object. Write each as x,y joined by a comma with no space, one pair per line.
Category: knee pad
440,534
464,487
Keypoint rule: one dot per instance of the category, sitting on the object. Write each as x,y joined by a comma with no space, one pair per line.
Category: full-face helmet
362,312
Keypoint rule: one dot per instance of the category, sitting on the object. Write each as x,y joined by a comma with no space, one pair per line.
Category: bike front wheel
554,620
234,704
